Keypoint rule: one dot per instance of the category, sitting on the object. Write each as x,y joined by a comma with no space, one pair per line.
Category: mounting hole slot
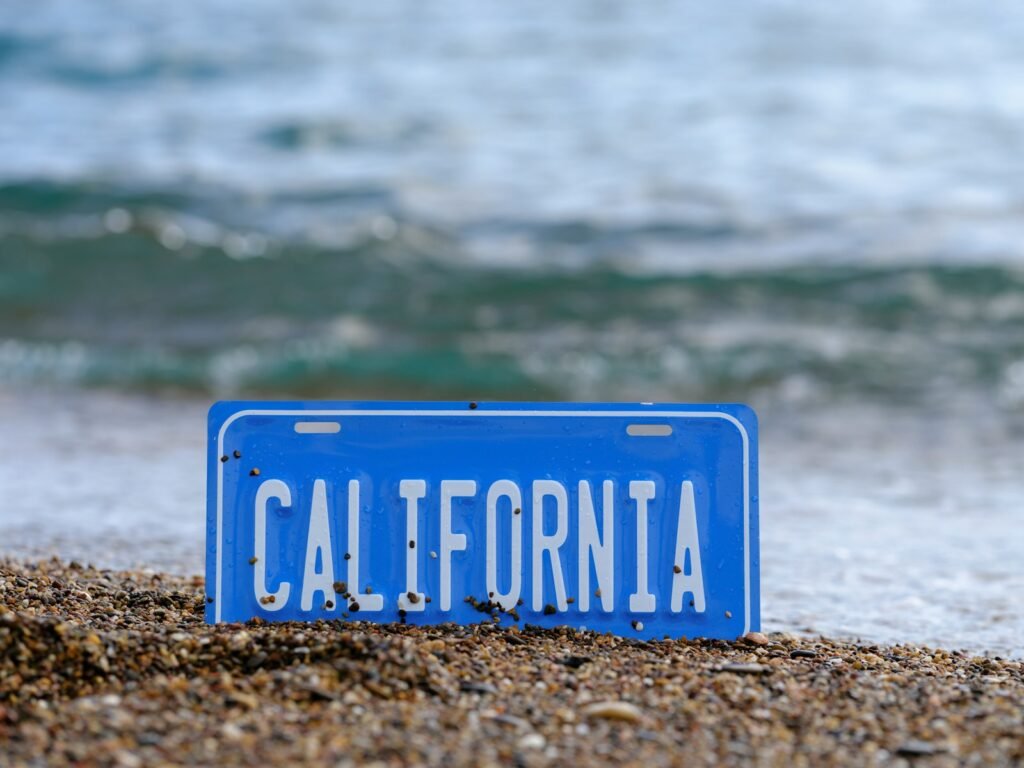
317,427
649,430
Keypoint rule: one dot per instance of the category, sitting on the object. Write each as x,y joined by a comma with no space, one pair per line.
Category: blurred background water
813,208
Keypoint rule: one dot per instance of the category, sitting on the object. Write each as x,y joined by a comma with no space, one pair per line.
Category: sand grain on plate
101,667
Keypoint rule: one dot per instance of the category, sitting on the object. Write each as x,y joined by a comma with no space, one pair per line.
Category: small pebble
532,741
745,669
472,686
918,748
575,662
613,710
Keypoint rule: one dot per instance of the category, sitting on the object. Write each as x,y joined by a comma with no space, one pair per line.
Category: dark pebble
918,748
575,662
472,686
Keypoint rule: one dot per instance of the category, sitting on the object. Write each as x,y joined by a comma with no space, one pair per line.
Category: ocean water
815,209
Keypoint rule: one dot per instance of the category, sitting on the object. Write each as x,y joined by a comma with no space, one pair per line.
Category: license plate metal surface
641,520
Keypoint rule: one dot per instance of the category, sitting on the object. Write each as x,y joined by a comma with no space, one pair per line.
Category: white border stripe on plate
477,414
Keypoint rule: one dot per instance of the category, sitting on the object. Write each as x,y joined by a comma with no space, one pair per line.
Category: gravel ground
102,667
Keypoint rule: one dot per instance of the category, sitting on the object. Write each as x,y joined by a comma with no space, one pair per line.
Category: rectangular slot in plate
317,427
649,430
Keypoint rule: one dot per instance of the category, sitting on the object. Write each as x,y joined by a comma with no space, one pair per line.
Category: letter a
318,542
686,541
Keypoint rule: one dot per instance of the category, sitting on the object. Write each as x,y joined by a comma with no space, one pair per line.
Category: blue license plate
640,520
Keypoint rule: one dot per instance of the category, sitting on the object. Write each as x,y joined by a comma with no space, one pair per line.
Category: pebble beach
102,667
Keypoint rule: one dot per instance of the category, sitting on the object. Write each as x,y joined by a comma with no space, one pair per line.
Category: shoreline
945,574
101,667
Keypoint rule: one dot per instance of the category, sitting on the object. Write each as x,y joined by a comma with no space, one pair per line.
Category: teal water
676,201
157,291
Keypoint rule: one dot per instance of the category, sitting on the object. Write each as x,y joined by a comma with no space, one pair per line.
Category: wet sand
103,667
